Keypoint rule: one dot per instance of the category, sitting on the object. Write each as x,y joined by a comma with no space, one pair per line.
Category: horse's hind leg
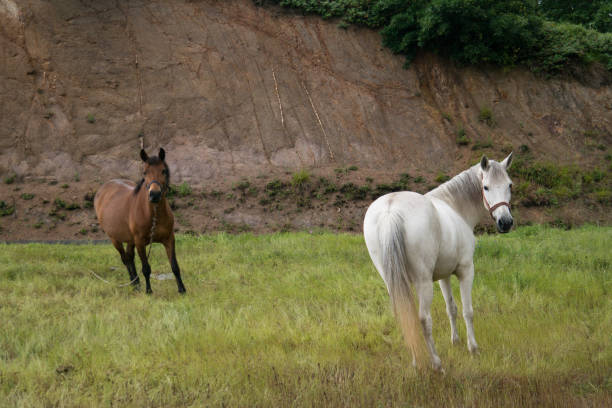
127,258
466,278
424,290
146,268
171,252
451,307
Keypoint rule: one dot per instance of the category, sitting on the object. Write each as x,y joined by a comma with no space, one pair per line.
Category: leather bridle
484,199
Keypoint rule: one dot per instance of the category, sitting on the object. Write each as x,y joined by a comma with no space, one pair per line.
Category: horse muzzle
155,196
504,224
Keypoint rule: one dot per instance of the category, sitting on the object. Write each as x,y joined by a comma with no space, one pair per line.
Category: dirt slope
234,91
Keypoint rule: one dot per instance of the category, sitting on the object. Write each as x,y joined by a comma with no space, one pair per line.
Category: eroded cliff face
235,91
232,89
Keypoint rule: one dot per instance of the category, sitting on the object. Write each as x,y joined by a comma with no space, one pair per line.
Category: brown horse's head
156,175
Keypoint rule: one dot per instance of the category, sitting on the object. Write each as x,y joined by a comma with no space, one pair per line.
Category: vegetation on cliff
546,36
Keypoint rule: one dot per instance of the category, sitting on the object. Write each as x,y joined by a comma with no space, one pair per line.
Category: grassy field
302,319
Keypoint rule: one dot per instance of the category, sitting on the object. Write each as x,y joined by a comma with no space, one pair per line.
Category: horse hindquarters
402,245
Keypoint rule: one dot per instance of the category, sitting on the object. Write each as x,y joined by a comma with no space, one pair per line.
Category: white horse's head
497,190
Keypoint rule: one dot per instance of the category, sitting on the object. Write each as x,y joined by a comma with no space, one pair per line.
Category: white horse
416,239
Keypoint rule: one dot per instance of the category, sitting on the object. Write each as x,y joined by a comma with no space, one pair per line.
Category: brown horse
139,216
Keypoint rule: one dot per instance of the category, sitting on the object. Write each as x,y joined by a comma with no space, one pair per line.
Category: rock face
231,89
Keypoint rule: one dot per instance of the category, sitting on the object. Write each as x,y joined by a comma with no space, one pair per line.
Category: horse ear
143,155
162,154
484,162
507,161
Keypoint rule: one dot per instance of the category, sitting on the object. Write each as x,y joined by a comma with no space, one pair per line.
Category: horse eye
165,172
486,188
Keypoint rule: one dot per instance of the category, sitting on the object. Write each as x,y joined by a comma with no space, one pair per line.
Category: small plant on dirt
27,196
48,115
276,188
462,139
369,180
56,214
9,179
73,206
184,189
83,231
483,144
300,178
442,178
59,203
419,179
447,116
91,118
486,116
216,193
352,168
38,225
6,209
241,185
77,177
65,186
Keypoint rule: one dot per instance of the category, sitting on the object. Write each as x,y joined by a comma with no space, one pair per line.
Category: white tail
393,246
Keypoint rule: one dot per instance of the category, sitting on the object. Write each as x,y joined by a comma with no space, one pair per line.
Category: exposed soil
233,91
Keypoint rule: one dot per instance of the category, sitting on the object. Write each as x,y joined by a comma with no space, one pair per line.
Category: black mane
152,161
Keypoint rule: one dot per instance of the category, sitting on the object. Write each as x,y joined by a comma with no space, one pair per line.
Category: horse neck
463,193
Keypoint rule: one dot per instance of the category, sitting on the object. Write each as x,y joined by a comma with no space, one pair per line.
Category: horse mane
152,161
464,188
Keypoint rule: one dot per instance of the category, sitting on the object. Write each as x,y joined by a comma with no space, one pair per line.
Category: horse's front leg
466,278
171,252
451,307
127,257
146,268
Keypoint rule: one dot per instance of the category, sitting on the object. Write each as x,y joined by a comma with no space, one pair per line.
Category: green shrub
442,178
300,178
10,179
184,189
27,196
486,116
6,209
59,203
504,33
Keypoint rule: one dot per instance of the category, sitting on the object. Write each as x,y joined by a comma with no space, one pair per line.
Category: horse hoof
149,291
182,291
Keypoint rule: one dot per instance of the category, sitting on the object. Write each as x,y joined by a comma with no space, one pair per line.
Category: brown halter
496,206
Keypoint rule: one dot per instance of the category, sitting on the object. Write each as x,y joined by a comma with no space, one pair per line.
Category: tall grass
301,320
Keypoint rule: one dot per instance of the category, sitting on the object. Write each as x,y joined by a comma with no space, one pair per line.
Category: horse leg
424,290
146,268
466,278
170,251
451,307
125,258
131,266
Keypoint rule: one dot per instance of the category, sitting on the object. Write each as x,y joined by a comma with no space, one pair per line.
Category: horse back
112,204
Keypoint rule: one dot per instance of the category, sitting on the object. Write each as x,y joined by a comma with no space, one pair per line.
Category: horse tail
394,258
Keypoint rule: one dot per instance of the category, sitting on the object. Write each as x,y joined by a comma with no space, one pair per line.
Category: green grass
301,319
